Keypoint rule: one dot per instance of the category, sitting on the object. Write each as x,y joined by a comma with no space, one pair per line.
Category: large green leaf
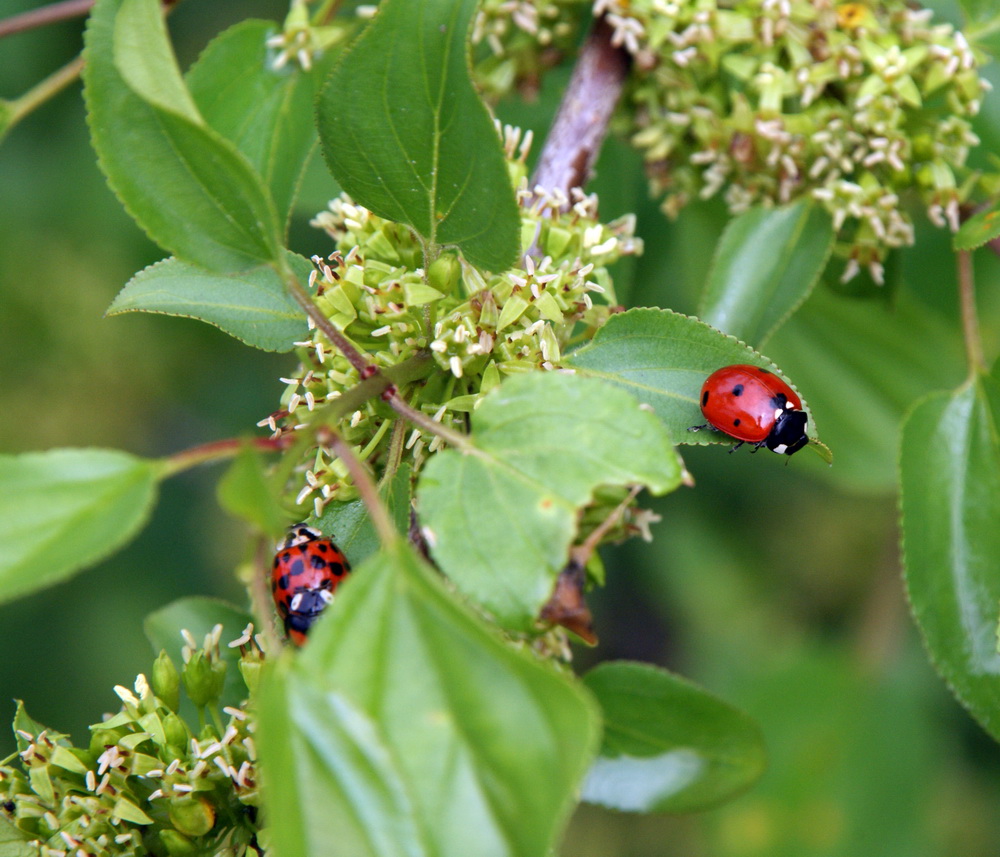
950,478
334,779
864,363
405,133
765,265
187,186
668,746
406,727
662,358
65,509
500,518
253,305
267,113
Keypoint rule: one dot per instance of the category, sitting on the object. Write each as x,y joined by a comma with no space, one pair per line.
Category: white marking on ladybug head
326,595
299,534
296,602
778,413
780,448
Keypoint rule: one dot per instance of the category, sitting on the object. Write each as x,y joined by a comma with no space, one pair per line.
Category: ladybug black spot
736,422
283,582
317,561
704,398
297,567
322,547
738,390
337,569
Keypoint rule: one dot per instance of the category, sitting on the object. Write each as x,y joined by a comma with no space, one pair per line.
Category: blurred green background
777,587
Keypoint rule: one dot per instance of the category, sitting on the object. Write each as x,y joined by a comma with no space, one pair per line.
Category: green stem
215,451
43,91
970,321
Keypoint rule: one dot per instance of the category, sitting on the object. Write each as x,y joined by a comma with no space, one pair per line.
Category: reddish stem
581,123
44,16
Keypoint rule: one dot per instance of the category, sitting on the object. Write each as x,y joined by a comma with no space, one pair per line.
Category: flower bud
251,665
177,844
192,816
166,681
203,679
177,732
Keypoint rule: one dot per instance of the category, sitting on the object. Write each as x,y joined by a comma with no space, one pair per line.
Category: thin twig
581,124
43,91
217,450
970,320
260,597
43,16
365,484
365,368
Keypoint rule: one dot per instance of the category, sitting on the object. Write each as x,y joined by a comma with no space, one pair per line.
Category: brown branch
42,17
581,124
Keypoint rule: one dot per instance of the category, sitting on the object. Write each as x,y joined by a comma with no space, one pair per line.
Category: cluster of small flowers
476,326
146,784
519,40
768,101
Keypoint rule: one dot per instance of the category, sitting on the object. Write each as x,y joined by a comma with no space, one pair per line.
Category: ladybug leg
698,428
737,446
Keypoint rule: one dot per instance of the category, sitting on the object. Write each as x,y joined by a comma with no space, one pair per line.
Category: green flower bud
192,816
177,732
251,665
203,679
166,681
177,844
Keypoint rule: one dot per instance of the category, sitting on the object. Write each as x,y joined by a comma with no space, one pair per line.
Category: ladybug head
305,607
788,434
298,534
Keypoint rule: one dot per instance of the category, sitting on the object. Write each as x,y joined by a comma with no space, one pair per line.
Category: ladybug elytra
308,568
754,406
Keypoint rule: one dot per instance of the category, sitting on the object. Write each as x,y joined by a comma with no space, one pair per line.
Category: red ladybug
754,406
307,570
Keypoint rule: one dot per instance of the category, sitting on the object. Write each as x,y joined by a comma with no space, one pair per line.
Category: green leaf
246,493
183,183
983,226
267,114
254,305
335,778
500,517
199,615
15,842
766,264
65,509
950,484
350,526
405,133
864,363
662,358
419,731
668,746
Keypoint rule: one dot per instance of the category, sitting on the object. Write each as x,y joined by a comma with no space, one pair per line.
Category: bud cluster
147,783
768,101
476,326
518,40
